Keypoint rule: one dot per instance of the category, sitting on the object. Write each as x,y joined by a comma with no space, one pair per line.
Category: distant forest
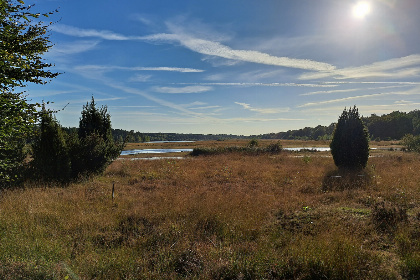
392,126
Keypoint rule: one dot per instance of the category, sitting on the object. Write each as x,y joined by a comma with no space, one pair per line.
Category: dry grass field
228,216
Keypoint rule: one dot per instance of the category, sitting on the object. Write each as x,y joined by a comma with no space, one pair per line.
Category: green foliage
412,266
253,143
16,120
23,39
51,160
95,121
411,143
273,148
92,154
390,126
60,157
350,143
94,148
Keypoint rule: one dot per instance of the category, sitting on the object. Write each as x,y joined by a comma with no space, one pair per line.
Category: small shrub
411,266
306,159
386,216
253,143
274,148
188,263
411,143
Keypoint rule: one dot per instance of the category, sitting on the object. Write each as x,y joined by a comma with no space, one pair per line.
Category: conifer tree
94,149
350,143
51,159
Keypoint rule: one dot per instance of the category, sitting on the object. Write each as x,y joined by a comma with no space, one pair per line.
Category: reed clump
222,216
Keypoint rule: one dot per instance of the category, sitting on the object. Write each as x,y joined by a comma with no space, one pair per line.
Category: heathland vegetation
248,211
222,216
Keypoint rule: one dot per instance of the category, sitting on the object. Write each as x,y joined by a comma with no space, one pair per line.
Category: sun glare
361,9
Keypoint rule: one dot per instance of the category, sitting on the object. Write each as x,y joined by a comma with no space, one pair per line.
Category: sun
361,9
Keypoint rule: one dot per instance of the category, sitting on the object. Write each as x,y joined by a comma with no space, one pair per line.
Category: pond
169,142
164,151
312,149
154,151
152,158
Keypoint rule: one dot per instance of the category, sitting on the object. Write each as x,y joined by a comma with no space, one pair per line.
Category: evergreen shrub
350,143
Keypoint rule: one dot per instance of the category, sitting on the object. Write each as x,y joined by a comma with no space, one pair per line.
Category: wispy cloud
128,106
109,99
80,32
43,93
263,84
198,105
403,102
329,91
73,47
233,120
263,110
112,67
352,90
217,49
370,82
206,107
140,78
393,68
187,89
202,46
159,101
130,90
414,91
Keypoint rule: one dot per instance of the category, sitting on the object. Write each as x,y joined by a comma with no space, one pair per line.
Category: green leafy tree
51,160
23,41
94,149
411,142
16,119
350,143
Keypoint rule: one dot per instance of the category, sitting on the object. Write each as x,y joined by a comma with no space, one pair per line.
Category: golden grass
218,217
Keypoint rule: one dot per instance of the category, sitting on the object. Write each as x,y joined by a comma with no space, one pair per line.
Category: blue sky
232,66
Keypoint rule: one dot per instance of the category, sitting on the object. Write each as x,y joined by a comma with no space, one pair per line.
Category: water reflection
154,151
314,149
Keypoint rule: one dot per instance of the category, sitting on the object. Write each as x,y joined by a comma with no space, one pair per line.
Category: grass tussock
225,216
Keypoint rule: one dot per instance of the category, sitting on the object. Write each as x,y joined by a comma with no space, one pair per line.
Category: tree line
392,126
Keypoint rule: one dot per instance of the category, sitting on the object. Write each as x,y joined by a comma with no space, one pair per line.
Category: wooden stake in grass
113,191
